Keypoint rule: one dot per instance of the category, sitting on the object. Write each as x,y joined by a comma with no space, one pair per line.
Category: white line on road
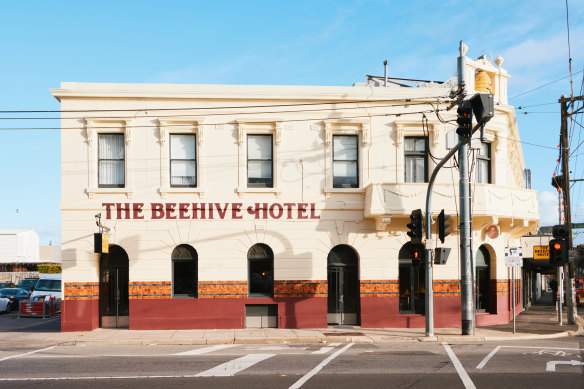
322,350
459,368
233,367
486,359
334,344
206,350
28,353
551,365
318,368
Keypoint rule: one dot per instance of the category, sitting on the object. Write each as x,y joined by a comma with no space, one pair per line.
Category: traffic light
558,252
483,107
415,225
560,231
443,226
418,254
464,119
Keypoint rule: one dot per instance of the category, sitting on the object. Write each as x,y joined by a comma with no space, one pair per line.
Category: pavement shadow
540,318
10,322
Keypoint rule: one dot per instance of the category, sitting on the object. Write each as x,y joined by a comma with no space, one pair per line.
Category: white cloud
535,61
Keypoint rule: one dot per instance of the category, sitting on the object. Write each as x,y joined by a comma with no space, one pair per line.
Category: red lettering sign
204,211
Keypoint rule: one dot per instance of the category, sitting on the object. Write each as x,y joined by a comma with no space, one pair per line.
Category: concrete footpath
538,322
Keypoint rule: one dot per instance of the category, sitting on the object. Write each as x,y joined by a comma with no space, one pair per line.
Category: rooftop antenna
385,63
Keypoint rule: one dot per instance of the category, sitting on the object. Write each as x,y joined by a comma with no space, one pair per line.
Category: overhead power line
544,85
231,122
223,113
329,102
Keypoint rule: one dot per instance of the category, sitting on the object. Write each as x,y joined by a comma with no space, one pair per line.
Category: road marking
206,350
551,365
334,344
233,367
486,359
28,353
459,368
77,378
322,350
318,368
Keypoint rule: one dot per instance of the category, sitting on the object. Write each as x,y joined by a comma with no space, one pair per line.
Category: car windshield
27,283
48,286
8,292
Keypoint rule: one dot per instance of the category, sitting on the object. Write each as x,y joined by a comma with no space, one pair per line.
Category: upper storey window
416,159
260,163
111,161
345,161
183,161
484,164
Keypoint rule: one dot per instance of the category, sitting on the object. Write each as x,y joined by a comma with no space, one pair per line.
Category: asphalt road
532,364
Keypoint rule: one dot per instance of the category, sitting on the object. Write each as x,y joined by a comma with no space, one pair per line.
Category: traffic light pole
467,300
429,302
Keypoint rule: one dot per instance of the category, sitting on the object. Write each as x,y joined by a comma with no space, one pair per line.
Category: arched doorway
483,280
343,286
412,283
114,305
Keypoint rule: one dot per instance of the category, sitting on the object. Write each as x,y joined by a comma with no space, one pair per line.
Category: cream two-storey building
286,206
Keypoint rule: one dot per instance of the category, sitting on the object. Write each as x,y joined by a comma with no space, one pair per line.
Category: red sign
210,211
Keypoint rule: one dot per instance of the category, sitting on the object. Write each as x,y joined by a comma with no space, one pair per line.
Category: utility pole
467,287
568,268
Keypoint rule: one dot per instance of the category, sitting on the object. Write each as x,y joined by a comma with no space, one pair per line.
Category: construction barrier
40,306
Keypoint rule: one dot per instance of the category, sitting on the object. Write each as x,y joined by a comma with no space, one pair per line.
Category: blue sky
267,42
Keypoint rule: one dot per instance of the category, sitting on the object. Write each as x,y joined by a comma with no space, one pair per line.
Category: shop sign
513,257
210,211
541,252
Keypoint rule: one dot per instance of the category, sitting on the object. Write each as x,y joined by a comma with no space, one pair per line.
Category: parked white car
48,285
4,304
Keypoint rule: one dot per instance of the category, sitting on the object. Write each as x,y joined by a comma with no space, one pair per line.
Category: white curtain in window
182,146
345,169
183,173
415,144
345,147
259,147
415,169
482,171
259,169
111,159
183,167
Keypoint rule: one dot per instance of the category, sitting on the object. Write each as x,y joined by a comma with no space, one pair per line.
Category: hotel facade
279,206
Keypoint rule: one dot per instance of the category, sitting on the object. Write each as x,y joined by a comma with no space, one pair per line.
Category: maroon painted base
222,313
79,315
376,312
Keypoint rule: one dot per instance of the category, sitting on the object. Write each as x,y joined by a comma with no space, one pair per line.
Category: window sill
168,190
242,191
330,190
93,191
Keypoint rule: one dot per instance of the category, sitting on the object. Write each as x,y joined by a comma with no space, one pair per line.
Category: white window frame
406,129
272,127
181,126
93,128
361,128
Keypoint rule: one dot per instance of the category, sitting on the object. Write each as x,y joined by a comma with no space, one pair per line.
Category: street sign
577,225
541,252
513,257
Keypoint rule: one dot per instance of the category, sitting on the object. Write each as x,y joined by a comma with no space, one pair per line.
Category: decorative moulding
267,126
346,126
